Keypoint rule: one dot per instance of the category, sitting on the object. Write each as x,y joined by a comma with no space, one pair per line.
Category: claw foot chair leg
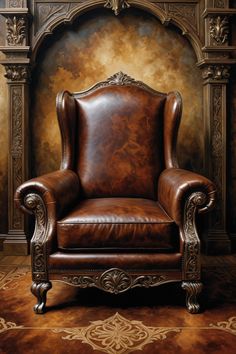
193,289
40,290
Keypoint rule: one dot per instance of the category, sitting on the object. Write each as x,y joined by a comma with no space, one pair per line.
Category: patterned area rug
141,320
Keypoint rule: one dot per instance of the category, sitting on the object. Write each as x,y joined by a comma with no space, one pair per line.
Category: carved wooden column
17,74
216,74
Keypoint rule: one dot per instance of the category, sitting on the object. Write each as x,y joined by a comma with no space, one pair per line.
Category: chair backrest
117,131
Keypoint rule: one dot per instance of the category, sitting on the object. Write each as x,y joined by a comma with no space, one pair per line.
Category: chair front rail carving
115,280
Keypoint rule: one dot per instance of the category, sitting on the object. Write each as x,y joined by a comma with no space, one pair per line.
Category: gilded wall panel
98,46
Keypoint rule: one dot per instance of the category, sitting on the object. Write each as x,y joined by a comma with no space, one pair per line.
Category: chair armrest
175,185
58,190
47,197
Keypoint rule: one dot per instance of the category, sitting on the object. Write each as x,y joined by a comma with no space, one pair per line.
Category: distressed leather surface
120,147
106,260
117,222
175,185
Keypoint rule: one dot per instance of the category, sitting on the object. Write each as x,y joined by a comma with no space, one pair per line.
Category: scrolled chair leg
193,289
39,290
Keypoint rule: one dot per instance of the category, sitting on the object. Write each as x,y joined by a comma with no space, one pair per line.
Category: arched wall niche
157,9
135,43
207,25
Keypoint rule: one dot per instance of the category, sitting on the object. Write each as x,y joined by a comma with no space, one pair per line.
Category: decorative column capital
17,72
216,72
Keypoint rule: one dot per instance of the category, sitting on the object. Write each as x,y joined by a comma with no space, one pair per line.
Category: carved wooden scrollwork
217,151
121,79
16,30
117,5
17,146
35,204
114,280
219,29
191,264
192,289
186,12
118,79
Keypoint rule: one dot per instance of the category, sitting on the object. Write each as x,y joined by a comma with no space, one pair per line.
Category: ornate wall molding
117,5
15,3
16,30
207,26
17,72
16,96
217,152
49,15
216,72
219,29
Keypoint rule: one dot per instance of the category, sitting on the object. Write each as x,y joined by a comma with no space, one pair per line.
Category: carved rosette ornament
219,29
115,280
117,5
15,31
35,204
15,3
219,4
191,264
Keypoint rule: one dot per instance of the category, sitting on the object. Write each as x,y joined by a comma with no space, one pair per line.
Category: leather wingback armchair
119,213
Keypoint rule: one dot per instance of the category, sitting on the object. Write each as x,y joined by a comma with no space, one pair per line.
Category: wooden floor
89,321
206,260
14,260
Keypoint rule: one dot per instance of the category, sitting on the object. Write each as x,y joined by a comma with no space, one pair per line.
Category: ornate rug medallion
117,335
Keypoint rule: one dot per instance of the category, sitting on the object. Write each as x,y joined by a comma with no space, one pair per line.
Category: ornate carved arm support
43,234
47,197
192,244
183,194
176,185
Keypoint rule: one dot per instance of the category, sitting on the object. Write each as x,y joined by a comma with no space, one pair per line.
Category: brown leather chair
119,213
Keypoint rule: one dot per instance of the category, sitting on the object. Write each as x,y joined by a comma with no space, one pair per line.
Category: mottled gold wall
101,44
3,142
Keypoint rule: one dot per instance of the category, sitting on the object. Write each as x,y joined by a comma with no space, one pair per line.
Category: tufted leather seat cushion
125,223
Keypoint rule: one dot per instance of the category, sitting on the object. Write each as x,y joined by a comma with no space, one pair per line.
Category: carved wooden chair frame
115,280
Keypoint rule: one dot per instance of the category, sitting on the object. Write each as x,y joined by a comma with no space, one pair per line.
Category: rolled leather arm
175,185
58,191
